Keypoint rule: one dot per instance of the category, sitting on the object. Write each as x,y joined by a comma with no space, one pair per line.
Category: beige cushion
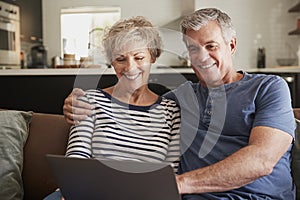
13,135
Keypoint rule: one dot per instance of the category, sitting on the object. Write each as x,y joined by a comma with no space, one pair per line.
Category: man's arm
75,110
266,146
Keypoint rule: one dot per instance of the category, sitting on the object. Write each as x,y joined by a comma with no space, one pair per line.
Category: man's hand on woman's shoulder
75,110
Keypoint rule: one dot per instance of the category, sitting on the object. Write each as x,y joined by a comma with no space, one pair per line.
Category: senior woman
129,121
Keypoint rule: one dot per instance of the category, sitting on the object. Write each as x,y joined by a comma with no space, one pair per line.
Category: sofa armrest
297,113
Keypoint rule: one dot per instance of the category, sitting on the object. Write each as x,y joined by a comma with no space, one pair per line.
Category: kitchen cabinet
44,90
291,75
46,93
293,81
31,19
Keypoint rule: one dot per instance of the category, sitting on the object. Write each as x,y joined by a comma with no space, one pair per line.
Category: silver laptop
92,179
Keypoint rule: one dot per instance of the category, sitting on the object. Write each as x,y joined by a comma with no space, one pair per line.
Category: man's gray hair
201,17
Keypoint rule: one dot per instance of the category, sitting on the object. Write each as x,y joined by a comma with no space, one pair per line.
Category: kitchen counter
292,69
44,90
83,71
110,71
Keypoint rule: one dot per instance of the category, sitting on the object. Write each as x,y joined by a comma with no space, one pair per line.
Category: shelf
295,32
295,8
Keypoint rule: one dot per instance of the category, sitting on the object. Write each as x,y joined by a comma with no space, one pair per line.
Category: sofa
296,154
48,134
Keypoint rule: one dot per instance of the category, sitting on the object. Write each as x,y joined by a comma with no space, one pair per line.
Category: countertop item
38,57
110,71
286,61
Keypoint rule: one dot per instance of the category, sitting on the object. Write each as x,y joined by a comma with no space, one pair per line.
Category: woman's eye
120,59
139,58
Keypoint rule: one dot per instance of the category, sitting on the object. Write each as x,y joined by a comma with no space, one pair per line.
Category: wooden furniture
296,155
295,8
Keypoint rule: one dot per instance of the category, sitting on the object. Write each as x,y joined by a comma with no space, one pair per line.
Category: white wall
258,23
158,11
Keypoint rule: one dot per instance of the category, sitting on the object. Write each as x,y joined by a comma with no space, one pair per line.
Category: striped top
117,130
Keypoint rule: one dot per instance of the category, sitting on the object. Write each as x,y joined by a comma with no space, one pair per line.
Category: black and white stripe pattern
120,131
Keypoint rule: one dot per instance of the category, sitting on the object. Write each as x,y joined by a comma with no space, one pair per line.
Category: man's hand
75,110
179,183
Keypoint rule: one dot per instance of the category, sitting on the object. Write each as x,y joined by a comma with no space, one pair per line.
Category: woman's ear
233,45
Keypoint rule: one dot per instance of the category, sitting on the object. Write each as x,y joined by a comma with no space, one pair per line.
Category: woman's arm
173,153
80,137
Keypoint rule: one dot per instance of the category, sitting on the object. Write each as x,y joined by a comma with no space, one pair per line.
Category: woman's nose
130,65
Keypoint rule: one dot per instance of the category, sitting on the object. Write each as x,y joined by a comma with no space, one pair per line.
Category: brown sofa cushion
48,134
296,154
297,113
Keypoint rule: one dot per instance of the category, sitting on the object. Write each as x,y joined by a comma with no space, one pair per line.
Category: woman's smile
132,76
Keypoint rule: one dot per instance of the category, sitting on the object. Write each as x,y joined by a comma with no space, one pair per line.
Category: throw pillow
14,127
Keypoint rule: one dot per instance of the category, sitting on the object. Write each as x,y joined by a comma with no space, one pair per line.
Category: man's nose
202,54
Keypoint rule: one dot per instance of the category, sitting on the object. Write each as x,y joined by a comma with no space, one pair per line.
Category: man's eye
193,49
211,47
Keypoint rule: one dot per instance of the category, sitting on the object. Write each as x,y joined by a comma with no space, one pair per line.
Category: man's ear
233,45
153,60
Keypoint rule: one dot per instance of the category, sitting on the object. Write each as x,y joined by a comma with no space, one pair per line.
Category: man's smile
206,66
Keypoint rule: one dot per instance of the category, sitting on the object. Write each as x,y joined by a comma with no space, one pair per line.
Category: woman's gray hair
135,30
201,17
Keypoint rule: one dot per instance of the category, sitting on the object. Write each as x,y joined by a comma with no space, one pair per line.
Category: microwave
10,47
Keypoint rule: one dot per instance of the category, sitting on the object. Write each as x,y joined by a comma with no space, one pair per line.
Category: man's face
211,56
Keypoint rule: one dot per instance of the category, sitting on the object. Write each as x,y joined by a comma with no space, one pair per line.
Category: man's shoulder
262,79
250,76
181,90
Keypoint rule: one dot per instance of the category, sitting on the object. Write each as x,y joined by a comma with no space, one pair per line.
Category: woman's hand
75,110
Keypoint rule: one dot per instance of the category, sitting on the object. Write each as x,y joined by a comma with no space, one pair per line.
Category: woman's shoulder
169,102
96,93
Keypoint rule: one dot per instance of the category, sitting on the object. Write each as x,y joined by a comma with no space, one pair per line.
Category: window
82,28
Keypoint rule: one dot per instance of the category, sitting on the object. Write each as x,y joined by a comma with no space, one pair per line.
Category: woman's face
132,67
